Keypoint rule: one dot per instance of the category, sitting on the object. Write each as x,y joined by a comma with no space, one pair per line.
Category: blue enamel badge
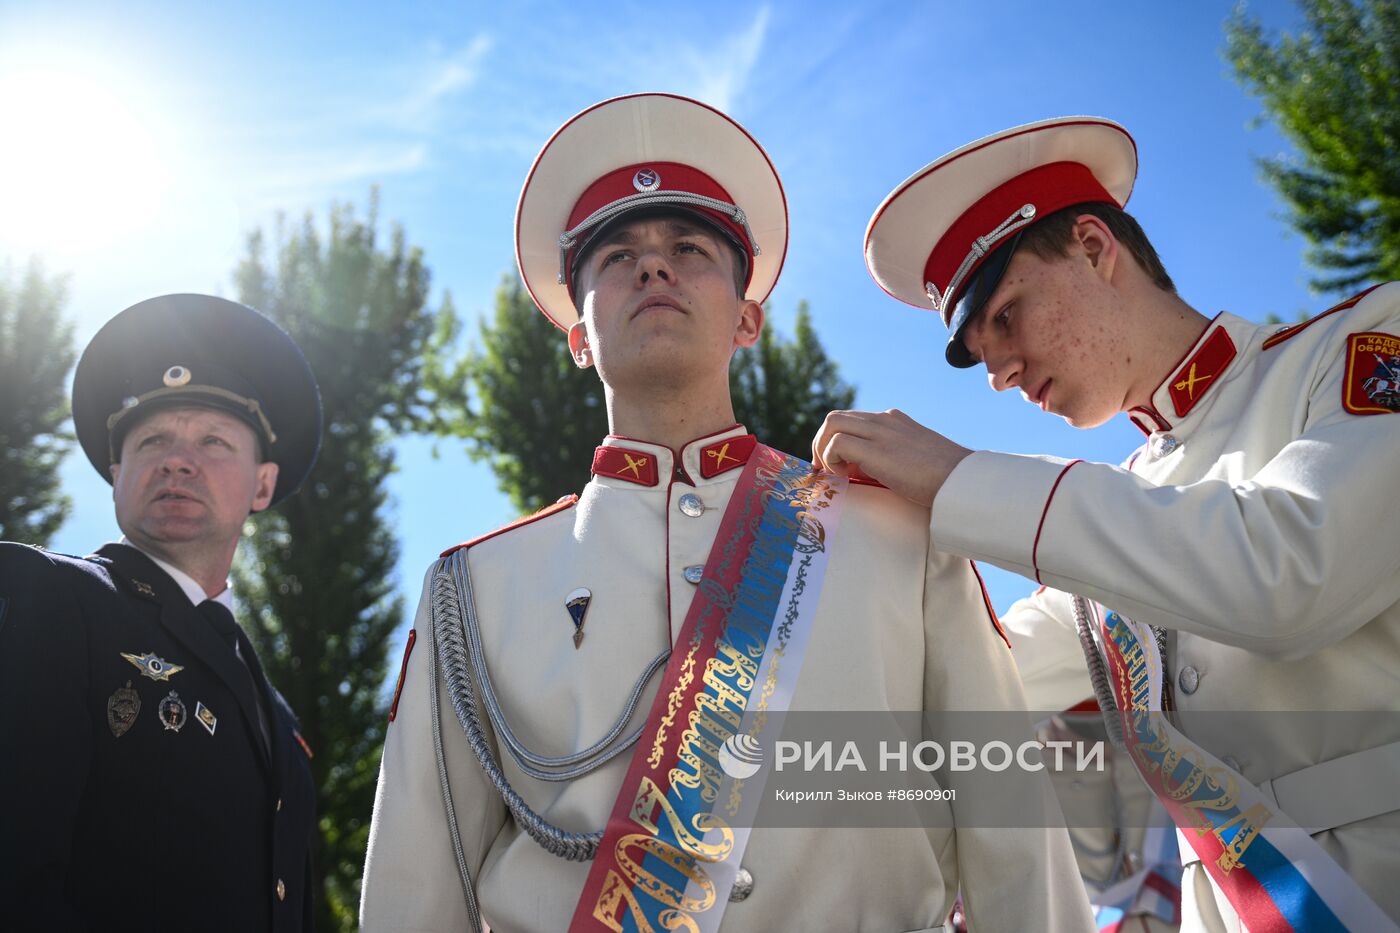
577,604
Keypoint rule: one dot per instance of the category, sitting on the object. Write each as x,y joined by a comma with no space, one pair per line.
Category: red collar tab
728,454
1198,374
1029,197
647,184
635,466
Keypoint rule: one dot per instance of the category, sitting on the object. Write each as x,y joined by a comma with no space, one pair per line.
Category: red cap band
653,177
1048,187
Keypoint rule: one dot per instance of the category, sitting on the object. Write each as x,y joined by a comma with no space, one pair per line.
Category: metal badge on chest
123,706
577,604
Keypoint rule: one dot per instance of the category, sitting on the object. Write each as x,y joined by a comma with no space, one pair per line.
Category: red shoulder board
561,505
1287,332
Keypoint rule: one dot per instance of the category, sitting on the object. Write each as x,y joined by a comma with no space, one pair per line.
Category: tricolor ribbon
1275,876
671,848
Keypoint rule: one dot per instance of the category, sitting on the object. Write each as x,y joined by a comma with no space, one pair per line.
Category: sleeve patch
1372,384
403,671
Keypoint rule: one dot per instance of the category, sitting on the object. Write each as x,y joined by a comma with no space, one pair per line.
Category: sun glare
79,169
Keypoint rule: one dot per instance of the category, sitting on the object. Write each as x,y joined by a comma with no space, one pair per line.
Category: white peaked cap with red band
645,152
928,239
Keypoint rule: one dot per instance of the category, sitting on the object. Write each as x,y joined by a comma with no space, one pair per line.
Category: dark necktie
222,621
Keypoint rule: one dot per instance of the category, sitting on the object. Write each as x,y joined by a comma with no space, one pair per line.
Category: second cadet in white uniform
1251,526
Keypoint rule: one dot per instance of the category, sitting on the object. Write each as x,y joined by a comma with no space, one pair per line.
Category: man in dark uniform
153,779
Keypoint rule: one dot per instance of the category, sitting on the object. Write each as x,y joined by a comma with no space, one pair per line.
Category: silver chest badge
153,667
577,604
172,712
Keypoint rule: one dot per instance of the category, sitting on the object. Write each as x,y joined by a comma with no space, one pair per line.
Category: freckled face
1055,330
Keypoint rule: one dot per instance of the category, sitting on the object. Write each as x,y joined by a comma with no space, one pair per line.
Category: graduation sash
671,848
1273,873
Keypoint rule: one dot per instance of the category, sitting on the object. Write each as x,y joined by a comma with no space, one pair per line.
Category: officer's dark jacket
154,829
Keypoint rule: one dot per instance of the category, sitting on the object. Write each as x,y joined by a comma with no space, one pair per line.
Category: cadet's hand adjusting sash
1275,876
671,848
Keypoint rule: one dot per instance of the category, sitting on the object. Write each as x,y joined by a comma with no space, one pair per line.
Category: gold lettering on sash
614,893
1195,773
654,887
673,703
732,666
1146,752
1251,821
649,798
715,718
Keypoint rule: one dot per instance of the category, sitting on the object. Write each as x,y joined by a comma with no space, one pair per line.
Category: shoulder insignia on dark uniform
564,503
302,742
1295,329
139,588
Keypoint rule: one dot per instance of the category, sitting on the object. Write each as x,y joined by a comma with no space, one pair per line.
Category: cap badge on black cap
176,376
647,179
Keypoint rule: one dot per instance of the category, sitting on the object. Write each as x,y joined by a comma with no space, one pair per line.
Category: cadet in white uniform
1252,525
664,206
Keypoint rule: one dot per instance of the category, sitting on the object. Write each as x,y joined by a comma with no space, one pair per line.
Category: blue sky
163,133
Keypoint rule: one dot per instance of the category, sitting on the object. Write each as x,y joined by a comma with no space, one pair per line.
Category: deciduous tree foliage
1334,91
317,573
537,416
36,353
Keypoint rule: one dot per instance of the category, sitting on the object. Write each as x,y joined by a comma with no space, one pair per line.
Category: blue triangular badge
577,604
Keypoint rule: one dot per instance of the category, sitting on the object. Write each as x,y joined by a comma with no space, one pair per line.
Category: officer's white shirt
899,627
1259,528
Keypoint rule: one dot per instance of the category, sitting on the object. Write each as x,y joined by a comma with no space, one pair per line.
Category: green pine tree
1334,91
318,570
538,416
36,353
